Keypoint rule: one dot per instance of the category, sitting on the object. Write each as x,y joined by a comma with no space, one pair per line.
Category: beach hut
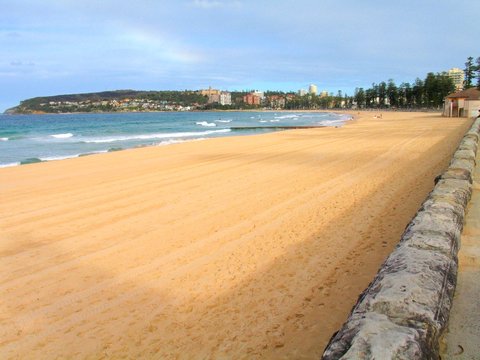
465,103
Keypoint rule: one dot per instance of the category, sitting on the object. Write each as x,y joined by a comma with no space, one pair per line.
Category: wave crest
205,123
62,136
155,136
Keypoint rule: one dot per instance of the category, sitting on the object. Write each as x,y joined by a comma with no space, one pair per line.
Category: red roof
469,94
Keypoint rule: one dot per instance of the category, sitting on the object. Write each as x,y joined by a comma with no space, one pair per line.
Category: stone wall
404,310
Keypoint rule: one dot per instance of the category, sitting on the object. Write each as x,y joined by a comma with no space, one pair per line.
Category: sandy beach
240,247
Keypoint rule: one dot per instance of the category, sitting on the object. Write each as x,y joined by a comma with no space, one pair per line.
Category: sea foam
293,116
4,139
62,136
171,142
155,136
205,123
63,157
9,164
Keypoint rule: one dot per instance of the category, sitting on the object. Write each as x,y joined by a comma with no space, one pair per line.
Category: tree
469,73
338,99
405,96
417,92
430,88
360,97
409,96
478,73
436,87
392,93
445,86
382,93
370,97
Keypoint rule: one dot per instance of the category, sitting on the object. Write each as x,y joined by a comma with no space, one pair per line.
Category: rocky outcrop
405,309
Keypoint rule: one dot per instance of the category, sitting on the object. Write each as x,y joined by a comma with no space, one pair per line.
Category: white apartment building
458,76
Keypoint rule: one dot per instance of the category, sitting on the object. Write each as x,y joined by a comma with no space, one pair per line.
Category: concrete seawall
404,310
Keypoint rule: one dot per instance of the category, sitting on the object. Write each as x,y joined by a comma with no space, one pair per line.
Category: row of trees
427,93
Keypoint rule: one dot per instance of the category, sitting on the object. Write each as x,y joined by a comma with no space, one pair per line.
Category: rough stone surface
467,154
473,134
406,307
458,191
468,143
456,174
431,240
462,164
378,337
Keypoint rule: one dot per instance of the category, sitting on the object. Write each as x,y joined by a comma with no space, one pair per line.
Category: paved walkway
462,339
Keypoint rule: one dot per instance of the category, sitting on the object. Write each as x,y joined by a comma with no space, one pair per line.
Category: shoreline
240,247
273,128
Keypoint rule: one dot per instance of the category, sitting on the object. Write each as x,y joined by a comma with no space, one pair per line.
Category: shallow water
24,138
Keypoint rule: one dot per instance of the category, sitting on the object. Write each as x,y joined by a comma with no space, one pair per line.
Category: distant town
204,99
422,94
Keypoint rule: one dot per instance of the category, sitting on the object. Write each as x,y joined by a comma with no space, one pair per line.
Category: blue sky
54,47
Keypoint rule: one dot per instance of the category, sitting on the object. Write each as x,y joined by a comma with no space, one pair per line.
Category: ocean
28,139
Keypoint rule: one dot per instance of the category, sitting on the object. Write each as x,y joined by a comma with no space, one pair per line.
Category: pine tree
392,93
478,73
469,73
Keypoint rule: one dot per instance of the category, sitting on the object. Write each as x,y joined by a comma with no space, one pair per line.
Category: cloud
209,4
155,46
13,35
21,63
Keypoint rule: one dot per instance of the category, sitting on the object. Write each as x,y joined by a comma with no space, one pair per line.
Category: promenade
461,338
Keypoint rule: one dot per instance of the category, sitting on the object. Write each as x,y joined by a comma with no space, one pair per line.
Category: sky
52,47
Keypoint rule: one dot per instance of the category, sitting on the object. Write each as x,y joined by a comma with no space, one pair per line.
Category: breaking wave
62,136
154,136
205,123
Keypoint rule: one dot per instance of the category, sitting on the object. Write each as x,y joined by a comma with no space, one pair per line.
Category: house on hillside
252,99
465,103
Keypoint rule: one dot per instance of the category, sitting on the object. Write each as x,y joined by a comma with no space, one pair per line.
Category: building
213,98
252,99
312,89
217,96
465,103
458,76
225,98
276,101
260,94
209,92
302,92
324,93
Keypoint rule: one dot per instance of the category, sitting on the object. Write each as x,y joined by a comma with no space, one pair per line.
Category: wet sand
242,247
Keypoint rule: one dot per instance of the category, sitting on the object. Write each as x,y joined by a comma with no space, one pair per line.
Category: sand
242,247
